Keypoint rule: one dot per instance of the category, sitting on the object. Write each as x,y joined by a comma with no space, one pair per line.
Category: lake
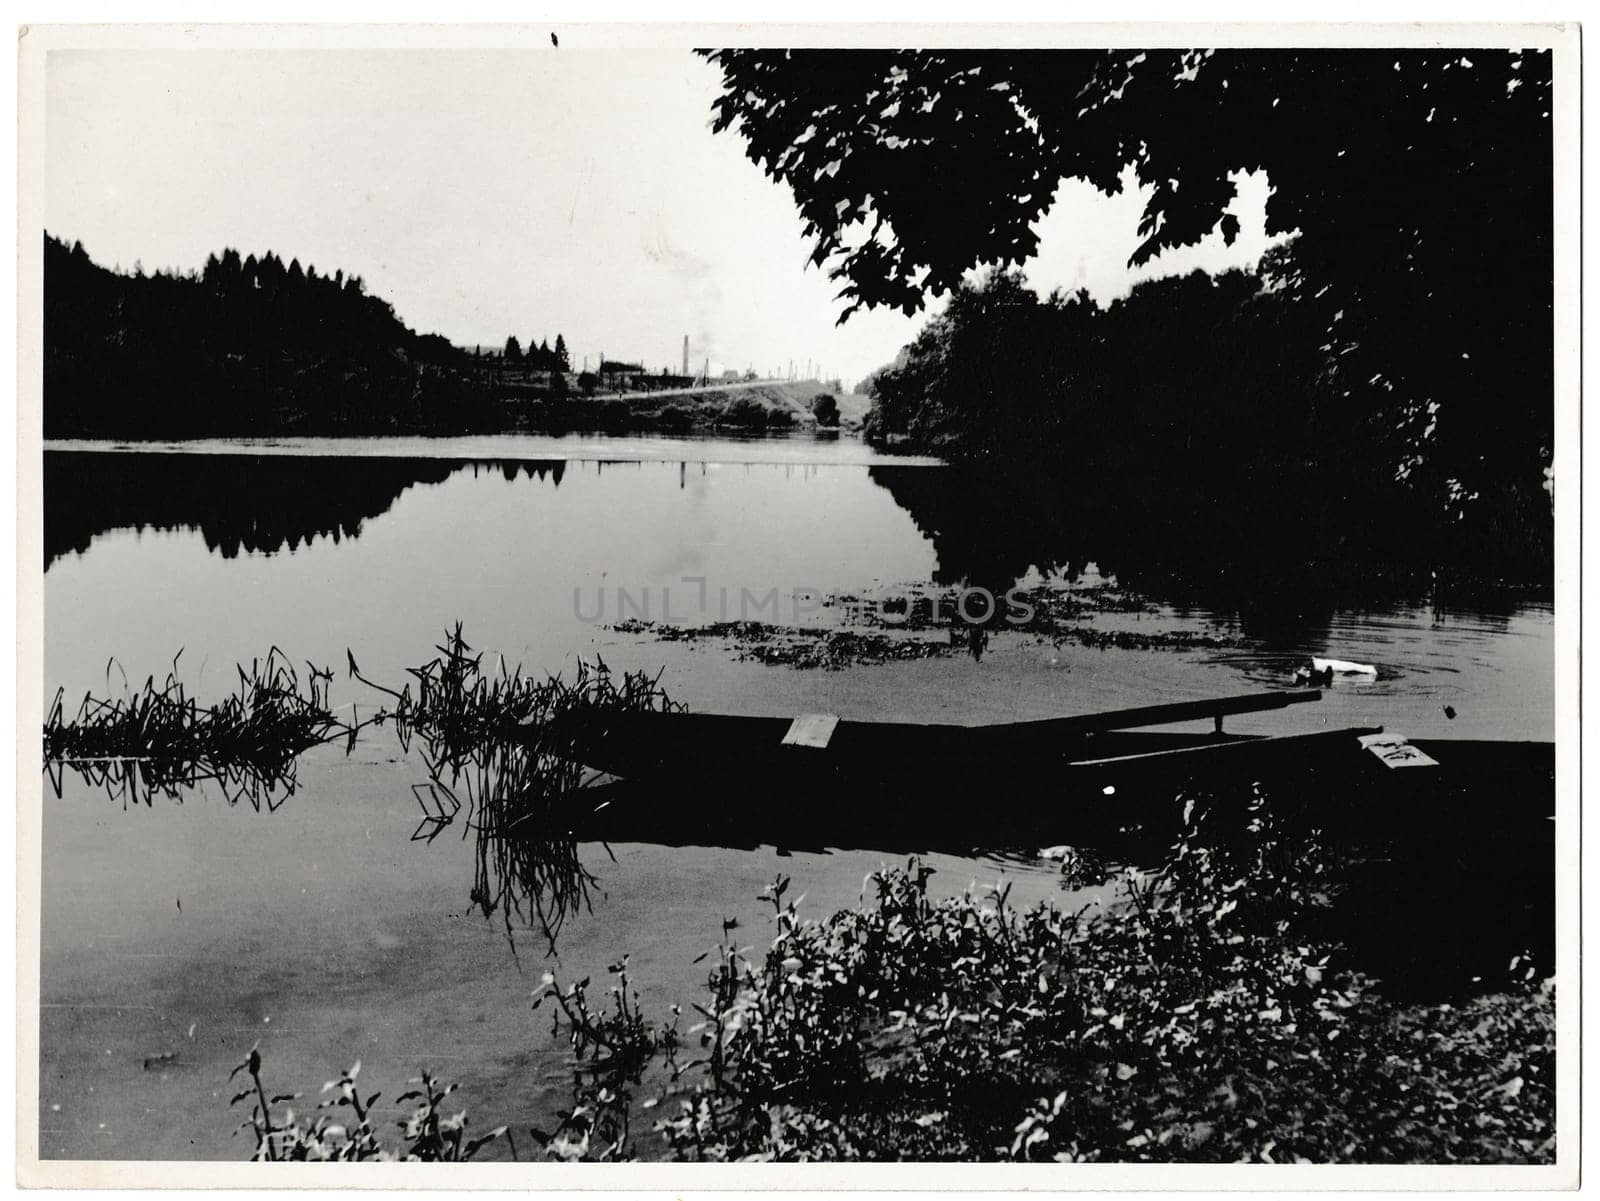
194,929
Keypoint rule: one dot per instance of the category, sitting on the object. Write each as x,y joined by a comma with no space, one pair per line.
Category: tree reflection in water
239,503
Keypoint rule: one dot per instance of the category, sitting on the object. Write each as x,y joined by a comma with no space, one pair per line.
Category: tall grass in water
158,740
497,748
493,742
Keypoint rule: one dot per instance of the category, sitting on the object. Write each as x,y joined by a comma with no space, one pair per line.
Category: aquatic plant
612,1048
427,1134
498,746
159,740
802,647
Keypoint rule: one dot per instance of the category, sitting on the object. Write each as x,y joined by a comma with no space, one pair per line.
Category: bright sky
487,193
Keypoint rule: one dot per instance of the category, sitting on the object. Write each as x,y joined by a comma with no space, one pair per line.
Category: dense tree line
1416,184
248,345
1198,422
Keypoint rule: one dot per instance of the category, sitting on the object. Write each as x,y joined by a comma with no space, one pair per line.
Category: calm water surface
324,932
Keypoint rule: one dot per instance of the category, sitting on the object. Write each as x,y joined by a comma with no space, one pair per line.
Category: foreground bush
1196,1020
1193,1022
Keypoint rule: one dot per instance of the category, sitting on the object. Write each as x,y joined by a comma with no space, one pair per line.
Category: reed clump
498,747
159,740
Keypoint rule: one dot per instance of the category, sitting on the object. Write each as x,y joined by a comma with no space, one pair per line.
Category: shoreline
853,450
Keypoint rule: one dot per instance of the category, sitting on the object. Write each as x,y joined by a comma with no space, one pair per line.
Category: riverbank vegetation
1195,423
1221,1005
1209,1014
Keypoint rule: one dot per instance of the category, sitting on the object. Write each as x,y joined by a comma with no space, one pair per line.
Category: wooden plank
811,730
1159,715
1225,749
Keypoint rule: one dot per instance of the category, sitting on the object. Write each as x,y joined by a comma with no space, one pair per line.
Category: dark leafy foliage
1205,1016
825,408
1417,184
744,412
1202,1018
1195,427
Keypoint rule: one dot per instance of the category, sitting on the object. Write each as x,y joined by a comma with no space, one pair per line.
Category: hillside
251,346
755,407
248,346
796,399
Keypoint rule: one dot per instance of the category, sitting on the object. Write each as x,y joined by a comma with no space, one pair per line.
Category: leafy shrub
825,408
676,418
745,412
427,1134
1198,1020
613,415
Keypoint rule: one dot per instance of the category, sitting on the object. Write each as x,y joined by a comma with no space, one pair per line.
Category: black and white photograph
721,598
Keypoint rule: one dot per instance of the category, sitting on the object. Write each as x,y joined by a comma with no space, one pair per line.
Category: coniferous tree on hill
246,346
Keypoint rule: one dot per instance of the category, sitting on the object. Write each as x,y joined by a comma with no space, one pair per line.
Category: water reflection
1283,581
354,941
987,529
239,503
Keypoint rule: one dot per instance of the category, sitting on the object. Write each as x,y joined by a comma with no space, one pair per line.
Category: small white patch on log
811,729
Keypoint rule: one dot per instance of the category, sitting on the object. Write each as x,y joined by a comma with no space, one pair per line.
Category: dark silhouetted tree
153,355
1418,181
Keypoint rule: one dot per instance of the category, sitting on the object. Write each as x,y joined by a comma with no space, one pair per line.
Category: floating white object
811,729
1395,751
1343,667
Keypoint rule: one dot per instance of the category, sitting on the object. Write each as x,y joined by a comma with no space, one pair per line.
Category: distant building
622,377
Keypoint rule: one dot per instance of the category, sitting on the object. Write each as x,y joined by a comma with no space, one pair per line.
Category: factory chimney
685,354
